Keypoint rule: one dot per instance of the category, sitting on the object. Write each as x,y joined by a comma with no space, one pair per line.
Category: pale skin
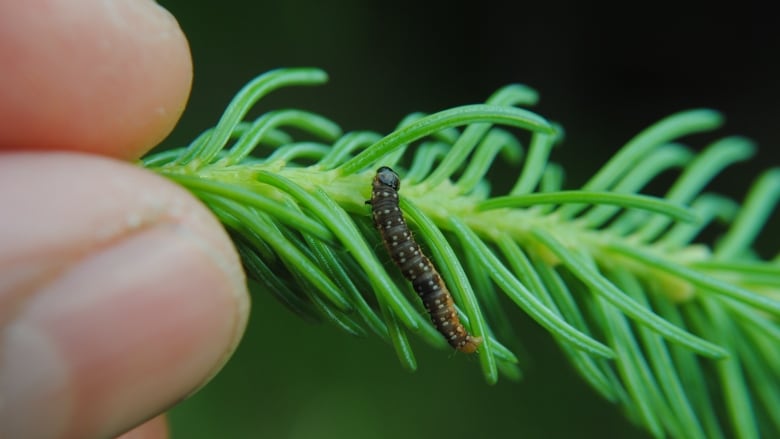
120,294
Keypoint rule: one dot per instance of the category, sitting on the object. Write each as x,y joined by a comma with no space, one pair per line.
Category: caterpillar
414,265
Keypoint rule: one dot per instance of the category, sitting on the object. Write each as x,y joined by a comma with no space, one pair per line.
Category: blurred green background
605,74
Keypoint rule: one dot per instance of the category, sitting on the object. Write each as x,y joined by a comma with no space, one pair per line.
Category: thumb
117,299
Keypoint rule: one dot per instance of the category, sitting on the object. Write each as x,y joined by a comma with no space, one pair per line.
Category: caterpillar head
387,177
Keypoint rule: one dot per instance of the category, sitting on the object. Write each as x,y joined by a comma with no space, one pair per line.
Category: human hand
120,294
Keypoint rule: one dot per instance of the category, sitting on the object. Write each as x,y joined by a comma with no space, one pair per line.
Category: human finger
105,77
119,295
155,428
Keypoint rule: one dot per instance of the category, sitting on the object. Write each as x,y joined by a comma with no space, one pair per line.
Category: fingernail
119,337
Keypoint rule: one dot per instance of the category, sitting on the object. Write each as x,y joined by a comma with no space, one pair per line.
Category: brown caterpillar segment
414,265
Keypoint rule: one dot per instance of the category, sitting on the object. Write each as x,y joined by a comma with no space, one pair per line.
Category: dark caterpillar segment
414,265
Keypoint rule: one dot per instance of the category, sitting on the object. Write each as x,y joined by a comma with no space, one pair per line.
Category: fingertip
106,77
143,302
156,428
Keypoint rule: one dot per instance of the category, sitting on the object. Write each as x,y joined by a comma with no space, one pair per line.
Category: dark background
603,73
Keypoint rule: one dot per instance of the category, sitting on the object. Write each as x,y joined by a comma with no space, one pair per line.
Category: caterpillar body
414,265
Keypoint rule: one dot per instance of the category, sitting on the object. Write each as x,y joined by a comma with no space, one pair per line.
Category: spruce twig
673,330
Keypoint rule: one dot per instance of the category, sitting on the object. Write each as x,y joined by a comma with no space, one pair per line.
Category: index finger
105,77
